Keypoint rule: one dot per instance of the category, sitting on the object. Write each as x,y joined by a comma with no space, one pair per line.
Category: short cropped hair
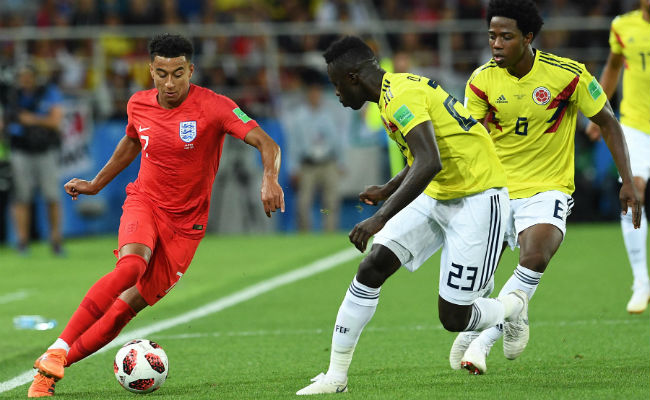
170,46
525,12
350,50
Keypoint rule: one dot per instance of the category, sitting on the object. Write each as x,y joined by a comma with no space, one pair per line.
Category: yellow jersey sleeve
590,96
408,109
615,42
475,97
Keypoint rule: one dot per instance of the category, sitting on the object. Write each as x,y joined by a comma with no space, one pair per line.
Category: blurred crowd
270,74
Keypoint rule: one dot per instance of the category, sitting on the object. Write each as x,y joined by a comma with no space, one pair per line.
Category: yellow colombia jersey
630,36
532,120
469,162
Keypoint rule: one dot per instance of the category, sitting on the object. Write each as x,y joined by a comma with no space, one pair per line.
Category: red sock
102,294
102,332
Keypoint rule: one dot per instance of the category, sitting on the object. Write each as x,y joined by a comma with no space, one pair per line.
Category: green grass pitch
583,344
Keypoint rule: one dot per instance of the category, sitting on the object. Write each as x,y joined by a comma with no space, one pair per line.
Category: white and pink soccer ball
141,366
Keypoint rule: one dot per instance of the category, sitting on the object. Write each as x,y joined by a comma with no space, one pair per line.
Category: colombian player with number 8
530,101
179,129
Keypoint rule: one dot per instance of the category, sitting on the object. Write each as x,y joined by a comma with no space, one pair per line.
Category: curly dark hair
350,50
525,12
170,46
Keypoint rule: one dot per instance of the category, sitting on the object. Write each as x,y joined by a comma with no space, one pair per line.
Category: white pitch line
220,304
15,296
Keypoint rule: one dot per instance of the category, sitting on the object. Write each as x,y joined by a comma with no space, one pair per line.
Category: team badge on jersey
187,131
541,96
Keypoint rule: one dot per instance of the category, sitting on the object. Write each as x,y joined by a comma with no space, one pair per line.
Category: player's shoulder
483,71
623,20
142,96
402,84
203,94
561,65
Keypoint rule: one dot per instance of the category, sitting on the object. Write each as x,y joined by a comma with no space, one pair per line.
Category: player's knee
130,268
453,322
377,266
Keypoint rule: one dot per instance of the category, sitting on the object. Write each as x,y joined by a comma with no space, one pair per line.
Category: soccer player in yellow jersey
450,195
530,100
629,40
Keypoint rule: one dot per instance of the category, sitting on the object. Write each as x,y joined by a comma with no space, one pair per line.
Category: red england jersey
180,155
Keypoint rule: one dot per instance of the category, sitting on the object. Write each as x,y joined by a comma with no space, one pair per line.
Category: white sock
635,244
357,309
60,344
485,313
524,279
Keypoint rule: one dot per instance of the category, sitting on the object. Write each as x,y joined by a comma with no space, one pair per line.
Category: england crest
187,131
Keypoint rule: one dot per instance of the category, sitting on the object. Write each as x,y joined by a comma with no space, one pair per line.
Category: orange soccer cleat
51,363
41,387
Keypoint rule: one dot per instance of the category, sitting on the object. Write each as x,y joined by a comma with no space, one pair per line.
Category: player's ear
528,38
151,70
353,77
191,69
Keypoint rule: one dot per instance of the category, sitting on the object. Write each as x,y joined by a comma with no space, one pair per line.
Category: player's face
347,87
171,77
507,43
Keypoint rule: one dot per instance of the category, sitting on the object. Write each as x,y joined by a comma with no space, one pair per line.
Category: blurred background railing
264,55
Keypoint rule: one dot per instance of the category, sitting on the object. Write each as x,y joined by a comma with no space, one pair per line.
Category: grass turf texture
583,343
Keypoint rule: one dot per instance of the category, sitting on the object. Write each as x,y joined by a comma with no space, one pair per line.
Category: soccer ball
141,366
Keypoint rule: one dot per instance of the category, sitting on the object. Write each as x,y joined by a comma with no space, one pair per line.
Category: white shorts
470,231
638,147
551,207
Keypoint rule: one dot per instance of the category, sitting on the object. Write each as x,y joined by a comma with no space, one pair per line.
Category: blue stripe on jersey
563,66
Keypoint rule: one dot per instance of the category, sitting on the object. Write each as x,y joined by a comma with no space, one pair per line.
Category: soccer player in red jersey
179,130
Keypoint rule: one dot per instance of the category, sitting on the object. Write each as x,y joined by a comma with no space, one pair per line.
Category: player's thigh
169,262
474,231
137,224
24,176
412,234
48,175
638,148
551,207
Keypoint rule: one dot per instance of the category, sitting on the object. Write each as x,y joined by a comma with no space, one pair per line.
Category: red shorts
171,252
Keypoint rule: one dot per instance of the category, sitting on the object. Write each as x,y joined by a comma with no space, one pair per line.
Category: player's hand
363,231
372,195
592,131
75,187
630,199
272,196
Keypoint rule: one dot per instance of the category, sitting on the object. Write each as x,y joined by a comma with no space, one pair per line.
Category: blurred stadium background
262,54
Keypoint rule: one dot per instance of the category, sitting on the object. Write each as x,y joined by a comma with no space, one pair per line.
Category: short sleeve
234,121
615,41
408,109
590,95
131,131
476,100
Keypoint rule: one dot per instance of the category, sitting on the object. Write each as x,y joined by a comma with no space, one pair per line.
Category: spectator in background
316,155
33,117
5,182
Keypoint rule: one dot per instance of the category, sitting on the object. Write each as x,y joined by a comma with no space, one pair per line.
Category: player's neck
646,15
373,85
524,65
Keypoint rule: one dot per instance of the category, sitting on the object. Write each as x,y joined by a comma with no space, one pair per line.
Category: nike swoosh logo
141,129
341,389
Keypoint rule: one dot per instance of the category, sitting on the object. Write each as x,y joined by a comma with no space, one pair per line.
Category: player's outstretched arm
613,135
609,82
272,194
426,164
125,152
372,195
